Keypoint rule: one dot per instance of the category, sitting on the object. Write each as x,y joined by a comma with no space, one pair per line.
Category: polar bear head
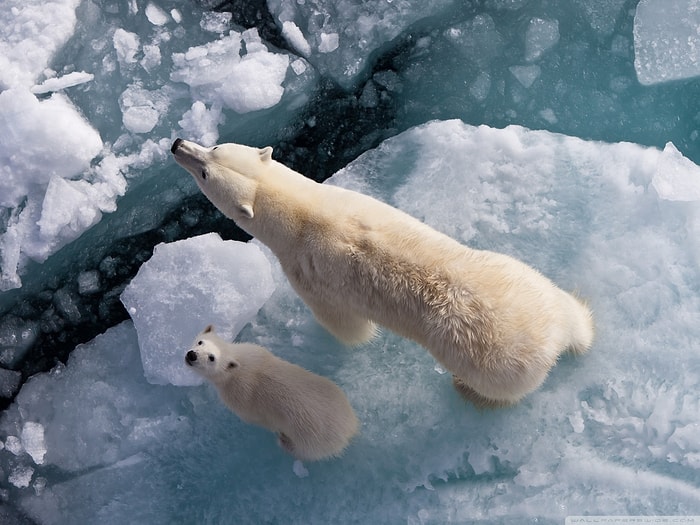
210,355
227,174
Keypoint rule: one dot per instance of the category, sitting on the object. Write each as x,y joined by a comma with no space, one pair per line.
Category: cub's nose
176,145
191,357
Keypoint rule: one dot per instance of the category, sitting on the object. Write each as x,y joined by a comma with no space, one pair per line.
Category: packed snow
565,134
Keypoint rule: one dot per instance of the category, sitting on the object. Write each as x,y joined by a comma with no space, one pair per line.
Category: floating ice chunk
549,115
329,42
666,40
677,178
215,22
14,445
187,285
67,304
21,476
481,86
156,15
56,143
526,75
299,469
602,15
59,83
477,39
30,35
151,57
218,74
55,140
95,411
293,35
540,37
33,441
201,124
89,282
142,109
126,44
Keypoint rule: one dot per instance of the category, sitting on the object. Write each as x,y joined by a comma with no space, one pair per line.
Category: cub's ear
209,328
246,210
266,154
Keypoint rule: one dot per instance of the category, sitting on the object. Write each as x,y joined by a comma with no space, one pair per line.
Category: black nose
176,145
191,356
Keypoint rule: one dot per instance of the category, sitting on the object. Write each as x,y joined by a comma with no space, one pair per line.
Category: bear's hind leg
479,401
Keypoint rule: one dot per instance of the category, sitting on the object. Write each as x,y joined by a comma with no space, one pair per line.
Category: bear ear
209,328
266,154
247,211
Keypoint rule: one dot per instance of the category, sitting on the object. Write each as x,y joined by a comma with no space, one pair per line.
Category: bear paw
479,401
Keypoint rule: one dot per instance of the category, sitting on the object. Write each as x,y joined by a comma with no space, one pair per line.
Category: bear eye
204,174
200,343
231,364
211,357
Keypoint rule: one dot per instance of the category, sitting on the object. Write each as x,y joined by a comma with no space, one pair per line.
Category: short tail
582,329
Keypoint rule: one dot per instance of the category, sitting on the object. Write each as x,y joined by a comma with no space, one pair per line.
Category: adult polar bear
495,323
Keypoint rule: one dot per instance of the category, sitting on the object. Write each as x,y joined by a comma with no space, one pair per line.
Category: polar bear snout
176,145
190,357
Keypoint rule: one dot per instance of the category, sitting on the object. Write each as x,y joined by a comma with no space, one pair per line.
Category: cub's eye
211,357
200,343
231,364
204,175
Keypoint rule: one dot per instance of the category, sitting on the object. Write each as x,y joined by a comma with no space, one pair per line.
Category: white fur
495,323
309,413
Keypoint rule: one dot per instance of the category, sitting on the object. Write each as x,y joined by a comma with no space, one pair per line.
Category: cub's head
209,356
227,174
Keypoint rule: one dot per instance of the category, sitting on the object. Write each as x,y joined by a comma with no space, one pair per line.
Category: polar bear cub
498,325
310,414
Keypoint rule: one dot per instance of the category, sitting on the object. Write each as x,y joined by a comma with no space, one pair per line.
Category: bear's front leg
349,328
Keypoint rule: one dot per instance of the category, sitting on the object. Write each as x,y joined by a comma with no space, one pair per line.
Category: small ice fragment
526,75
677,178
14,445
88,282
577,423
156,15
21,476
214,22
541,36
33,441
59,83
126,45
299,469
329,42
439,369
293,35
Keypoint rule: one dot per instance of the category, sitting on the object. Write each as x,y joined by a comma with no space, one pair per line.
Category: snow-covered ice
622,418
